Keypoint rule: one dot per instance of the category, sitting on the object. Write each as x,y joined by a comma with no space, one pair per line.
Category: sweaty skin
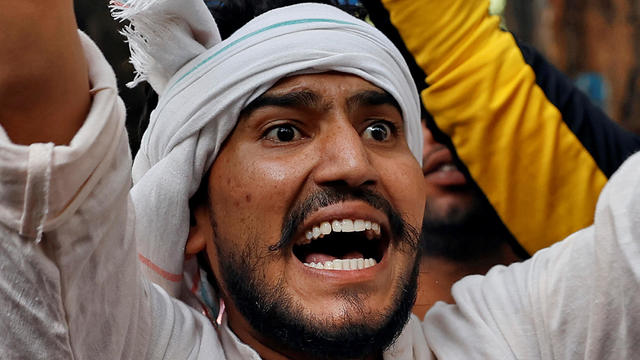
333,141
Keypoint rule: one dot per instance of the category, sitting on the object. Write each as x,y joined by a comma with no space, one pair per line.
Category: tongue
322,258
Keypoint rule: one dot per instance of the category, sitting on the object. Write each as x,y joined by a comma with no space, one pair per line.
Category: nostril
354,176
336,184
345,187
369,183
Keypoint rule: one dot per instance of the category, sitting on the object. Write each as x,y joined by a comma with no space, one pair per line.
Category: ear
198,232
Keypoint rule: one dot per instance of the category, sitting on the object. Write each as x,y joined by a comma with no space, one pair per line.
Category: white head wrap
202,95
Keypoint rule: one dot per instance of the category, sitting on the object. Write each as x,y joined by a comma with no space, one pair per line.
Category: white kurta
79,293
578,299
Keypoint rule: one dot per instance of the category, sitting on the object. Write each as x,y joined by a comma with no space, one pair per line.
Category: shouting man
308,165
283,161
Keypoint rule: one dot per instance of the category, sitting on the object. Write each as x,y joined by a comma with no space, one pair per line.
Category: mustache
324,197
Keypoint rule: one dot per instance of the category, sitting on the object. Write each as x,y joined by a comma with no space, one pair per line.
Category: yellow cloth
541,180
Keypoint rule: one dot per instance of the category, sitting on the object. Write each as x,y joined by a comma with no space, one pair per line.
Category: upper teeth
345,225
448,167
344,264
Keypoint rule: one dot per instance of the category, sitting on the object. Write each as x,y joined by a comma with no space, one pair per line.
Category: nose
344,159
427,138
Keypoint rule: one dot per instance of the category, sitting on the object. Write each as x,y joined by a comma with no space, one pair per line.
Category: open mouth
439,169
439,159
342,244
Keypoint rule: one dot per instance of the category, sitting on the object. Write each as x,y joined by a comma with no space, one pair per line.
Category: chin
448,208
353,327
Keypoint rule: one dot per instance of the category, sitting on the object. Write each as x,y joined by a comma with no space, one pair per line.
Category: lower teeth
343,264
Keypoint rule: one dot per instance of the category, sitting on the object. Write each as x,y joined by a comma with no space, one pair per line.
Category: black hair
231,15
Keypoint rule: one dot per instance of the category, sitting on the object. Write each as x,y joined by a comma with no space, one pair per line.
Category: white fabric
579,299
164,35
202,102
80,295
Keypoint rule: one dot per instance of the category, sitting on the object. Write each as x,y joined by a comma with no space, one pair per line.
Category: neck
438,274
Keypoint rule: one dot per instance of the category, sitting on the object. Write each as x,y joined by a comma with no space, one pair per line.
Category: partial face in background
449,197
459,223
314,204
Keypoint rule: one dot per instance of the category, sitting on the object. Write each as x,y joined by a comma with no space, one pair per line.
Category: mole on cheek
247,197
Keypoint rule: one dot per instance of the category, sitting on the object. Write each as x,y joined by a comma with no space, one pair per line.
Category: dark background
596,42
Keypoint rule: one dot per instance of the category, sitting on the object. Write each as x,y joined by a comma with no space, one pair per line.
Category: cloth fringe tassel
143,21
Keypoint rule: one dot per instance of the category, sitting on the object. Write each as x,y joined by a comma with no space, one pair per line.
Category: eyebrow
311,100
372,98
298,99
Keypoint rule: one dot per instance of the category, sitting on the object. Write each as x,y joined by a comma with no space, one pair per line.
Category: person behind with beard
529,140
302,133
461,233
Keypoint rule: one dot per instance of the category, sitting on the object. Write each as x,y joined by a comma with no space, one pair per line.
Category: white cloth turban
204,84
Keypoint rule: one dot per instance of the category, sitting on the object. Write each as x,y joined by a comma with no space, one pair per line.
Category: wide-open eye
283,133
379,131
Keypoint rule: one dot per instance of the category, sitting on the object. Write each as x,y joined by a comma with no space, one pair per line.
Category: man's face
459,223
317,176
449,198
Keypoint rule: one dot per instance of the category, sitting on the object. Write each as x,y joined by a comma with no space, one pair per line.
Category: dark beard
288,327
466,234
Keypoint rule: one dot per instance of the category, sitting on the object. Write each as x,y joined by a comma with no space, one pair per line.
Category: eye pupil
285,133
379,133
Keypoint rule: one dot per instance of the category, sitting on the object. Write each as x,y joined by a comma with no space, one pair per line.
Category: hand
497,7
44,86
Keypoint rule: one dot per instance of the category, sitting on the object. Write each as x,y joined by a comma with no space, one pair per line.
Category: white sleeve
579,299
180,332
70,286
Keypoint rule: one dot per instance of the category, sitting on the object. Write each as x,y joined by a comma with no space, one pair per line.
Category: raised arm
44,83
70,285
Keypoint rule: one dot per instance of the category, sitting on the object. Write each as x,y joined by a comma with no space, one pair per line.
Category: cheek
251,196
263,183
237,182
405,184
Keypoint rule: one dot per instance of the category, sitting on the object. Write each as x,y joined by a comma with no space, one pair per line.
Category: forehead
329,83
322,92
